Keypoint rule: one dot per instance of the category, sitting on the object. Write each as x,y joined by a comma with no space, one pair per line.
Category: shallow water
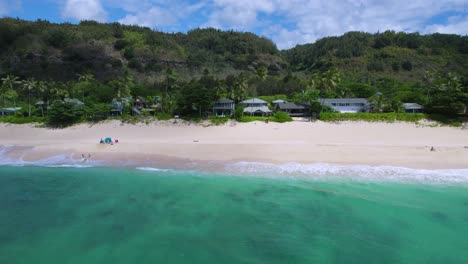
102,215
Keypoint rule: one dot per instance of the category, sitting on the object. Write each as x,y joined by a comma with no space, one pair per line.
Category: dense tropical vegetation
185,73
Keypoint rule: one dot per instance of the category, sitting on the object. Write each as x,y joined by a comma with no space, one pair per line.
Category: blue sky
286,22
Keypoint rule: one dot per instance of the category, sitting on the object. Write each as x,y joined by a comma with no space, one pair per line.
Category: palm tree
330,80
220,89
8,84
85,80
30,85
240,88
262,73
42,88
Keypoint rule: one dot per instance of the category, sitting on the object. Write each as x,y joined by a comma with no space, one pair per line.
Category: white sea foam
61,160
150,169
359,172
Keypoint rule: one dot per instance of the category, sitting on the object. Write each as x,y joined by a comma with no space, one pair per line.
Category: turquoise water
97,215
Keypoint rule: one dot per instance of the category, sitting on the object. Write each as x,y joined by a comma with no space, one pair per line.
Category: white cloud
151,18
84,10
8,6
286,22
308,20
239,14
155,13
457,25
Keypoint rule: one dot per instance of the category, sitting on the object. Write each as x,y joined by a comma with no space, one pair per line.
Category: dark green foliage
238,65
217,121
121,44
239,112
59,38
21,119
129,53
376,66
371,117
97,112
63,114
281,117
163,116
407,65
135,64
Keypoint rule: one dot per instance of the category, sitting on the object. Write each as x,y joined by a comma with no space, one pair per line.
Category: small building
346,105
74,101
275,103
254,102
118,107
9,111
292,109
413,108
224,107
256,106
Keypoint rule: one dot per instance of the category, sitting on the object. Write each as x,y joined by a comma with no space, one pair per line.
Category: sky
286,22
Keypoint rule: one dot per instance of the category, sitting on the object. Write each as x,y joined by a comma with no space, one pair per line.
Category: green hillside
400,56
61,51
188,71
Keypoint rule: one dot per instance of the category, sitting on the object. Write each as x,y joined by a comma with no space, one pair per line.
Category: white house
346,105
413,108
224,107
256,106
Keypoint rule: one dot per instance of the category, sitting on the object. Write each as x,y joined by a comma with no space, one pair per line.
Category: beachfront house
118,106
275,103
73,101
256,107
9,111
292,109
346,105
413,108
224,107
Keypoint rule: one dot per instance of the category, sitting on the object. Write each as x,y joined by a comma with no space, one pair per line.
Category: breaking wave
150,169
63,160
358,172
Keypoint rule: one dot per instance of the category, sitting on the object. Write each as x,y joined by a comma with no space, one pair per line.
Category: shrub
21,120
217,121
97,112
281,117
64,114
246,119
239,112
163,116
372,117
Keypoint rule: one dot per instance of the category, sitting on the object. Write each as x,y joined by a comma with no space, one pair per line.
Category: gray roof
279,101
284,106
255,109
10,109
223,107
254,101
343,100
225,101
73,101
412,106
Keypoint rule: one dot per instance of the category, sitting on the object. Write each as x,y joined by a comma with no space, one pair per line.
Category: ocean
250,213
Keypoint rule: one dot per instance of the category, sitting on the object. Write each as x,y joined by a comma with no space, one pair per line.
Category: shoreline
162,143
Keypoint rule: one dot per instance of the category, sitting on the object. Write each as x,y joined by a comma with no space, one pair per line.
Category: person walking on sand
432,148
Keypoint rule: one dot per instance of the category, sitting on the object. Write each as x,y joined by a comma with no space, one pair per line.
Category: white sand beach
357,143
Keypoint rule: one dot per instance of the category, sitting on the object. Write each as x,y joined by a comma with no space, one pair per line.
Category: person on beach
432,148
116,141
101,142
